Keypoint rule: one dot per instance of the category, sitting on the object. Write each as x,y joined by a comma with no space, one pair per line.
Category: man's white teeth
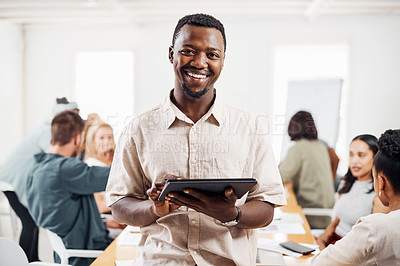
198,76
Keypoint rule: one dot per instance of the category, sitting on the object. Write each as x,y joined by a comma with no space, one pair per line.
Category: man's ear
171,54
77,139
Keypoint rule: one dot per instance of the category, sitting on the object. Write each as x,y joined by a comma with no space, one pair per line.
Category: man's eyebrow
209,48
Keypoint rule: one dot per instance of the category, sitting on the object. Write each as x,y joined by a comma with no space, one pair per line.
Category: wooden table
120,252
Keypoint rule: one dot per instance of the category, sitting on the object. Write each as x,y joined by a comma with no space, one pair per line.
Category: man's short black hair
200,20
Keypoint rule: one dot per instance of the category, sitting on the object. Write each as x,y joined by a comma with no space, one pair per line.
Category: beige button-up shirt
225,143
374,240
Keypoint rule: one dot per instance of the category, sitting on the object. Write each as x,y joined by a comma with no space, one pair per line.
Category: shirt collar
172,112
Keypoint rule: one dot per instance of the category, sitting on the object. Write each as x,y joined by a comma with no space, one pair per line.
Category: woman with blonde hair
99,151
100,145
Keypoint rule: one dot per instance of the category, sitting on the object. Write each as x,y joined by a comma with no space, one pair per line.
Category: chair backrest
11,253
58,246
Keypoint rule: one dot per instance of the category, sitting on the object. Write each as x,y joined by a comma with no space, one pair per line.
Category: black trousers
29,238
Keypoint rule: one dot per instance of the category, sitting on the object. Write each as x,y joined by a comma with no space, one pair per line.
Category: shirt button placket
194,234
193,150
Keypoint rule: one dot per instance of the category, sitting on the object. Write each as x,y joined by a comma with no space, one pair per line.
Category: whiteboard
322,99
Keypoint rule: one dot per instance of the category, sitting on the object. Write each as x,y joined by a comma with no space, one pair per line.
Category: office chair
13,255
58,246
8,211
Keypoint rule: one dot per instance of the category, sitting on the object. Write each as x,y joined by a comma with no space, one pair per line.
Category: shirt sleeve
269,184
126,177
79,178
291,166
353,249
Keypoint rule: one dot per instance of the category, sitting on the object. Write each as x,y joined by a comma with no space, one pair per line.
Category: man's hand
161,208
221,207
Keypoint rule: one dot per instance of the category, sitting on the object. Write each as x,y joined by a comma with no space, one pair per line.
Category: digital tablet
215,186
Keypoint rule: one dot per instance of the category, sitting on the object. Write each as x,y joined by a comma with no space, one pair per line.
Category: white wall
247,78
11,93
50,61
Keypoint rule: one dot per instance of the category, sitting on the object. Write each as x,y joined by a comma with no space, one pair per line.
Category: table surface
122,252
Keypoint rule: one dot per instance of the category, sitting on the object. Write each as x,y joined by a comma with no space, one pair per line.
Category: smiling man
194,135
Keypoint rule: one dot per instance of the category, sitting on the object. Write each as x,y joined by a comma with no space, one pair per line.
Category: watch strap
239,214
236,220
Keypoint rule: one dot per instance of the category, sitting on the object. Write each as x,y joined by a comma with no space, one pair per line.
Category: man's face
198,57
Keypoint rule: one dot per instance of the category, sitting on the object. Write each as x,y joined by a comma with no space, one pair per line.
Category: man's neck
65,150
193,108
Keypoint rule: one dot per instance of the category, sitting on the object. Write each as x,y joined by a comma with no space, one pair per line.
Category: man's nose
200,60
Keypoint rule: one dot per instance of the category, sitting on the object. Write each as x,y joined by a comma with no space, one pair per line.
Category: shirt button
194,221
195,252
194,161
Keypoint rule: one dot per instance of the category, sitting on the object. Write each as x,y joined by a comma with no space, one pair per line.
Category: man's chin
193,94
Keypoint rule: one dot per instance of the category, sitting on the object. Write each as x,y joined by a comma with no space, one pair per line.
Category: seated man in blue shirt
60,189
15,170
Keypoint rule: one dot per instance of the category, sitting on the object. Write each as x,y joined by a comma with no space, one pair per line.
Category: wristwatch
236,220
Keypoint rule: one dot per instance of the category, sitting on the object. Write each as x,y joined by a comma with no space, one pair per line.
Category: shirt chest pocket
228,167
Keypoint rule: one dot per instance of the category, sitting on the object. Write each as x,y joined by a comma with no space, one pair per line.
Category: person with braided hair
375,239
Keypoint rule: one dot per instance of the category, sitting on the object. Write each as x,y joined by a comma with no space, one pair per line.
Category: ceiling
144,11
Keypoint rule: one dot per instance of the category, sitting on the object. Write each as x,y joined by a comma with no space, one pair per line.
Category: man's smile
195,76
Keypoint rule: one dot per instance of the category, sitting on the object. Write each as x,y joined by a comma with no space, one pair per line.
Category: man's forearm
133,211
256,214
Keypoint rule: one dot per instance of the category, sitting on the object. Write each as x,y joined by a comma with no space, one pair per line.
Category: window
104,85
308,62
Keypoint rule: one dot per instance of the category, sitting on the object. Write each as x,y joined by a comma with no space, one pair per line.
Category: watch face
230,223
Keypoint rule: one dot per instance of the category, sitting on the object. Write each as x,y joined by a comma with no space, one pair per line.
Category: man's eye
213,55
187,52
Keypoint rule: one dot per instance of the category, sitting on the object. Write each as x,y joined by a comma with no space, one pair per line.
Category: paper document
266,257
278,226
130,236
273,245
123,262
290,217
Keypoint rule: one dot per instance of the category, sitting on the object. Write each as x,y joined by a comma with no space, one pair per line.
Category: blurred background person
100,145
60,189
99,151
307,165
15,170
357,196
334,158
374,240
